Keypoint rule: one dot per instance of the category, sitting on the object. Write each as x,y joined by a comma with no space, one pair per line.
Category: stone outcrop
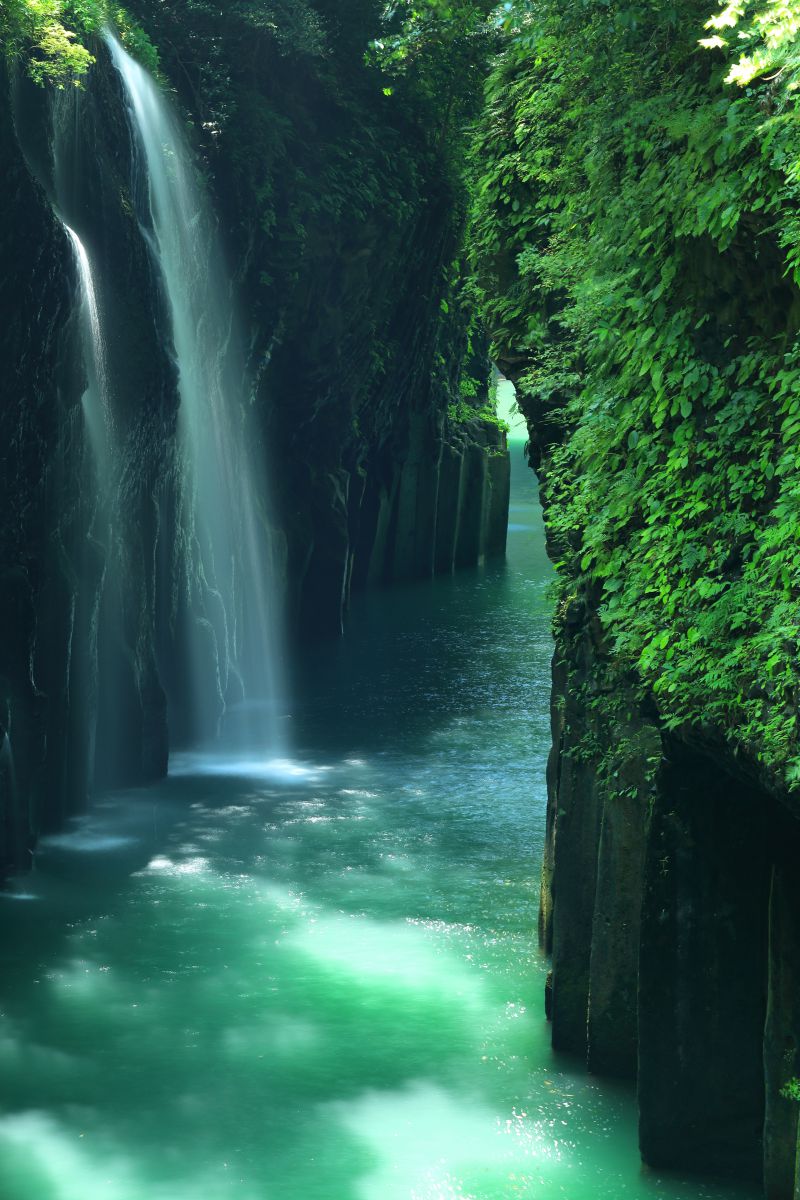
672,909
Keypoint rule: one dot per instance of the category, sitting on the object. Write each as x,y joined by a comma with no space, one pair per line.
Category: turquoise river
319,980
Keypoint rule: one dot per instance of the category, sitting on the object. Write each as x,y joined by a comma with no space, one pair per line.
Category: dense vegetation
55,37
636,237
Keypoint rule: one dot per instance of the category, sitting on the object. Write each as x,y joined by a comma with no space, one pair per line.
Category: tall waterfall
231,594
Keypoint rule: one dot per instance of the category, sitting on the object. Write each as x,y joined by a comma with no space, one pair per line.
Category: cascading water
234,651
95,398
67,168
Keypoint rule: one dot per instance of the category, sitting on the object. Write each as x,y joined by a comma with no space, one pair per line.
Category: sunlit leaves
52,36
40,30
762,35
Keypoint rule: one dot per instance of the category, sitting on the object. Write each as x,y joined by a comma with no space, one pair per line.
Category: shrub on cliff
53,37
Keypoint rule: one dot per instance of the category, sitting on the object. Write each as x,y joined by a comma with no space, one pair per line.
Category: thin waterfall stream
95,398
323,985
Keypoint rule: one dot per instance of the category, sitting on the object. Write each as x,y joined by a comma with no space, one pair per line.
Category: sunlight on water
191,866
279,770
317,979
427,1143
388,954
37,1152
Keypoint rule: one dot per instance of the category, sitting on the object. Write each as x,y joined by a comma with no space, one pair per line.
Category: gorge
275,661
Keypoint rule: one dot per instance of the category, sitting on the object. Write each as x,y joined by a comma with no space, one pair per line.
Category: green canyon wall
635,234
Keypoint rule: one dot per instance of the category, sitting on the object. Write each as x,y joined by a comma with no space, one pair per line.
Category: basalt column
782,1030
702,970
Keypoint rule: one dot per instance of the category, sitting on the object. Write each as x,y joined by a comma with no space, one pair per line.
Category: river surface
319,980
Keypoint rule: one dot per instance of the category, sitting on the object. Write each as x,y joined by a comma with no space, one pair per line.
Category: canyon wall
648,313
669,904
358,346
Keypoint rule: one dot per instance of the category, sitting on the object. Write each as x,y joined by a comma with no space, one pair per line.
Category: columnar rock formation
670,906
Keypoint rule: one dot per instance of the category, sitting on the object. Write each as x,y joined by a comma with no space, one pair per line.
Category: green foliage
53,37
434,55
636,238
44,32
764,33
462,412
791,1090
135,40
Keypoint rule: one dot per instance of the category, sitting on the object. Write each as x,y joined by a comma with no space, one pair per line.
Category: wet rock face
599,788
99,564
78,674
703,970
43,509
343,221
671,905
438,504
782,1030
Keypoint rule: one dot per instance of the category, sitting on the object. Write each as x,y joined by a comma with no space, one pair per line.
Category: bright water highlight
95,398
318,979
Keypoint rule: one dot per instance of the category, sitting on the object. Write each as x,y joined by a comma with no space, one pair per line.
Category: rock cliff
669,905
648,315
342,241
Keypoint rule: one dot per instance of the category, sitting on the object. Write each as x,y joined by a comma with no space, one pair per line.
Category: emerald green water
319,980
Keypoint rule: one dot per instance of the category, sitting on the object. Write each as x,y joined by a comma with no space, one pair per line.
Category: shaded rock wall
353,362
702,970
80,684
782,1030
438,503
41,343
671,909
343,212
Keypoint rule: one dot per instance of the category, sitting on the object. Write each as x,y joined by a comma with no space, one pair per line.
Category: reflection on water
318,980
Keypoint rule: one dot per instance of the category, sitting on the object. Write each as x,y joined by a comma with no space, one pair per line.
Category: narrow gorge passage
318,981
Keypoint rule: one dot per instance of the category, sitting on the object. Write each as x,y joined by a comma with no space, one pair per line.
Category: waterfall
64,186
95,398
92,311
234,649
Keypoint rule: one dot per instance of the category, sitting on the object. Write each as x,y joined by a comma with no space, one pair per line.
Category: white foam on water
38,1152
431,1144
